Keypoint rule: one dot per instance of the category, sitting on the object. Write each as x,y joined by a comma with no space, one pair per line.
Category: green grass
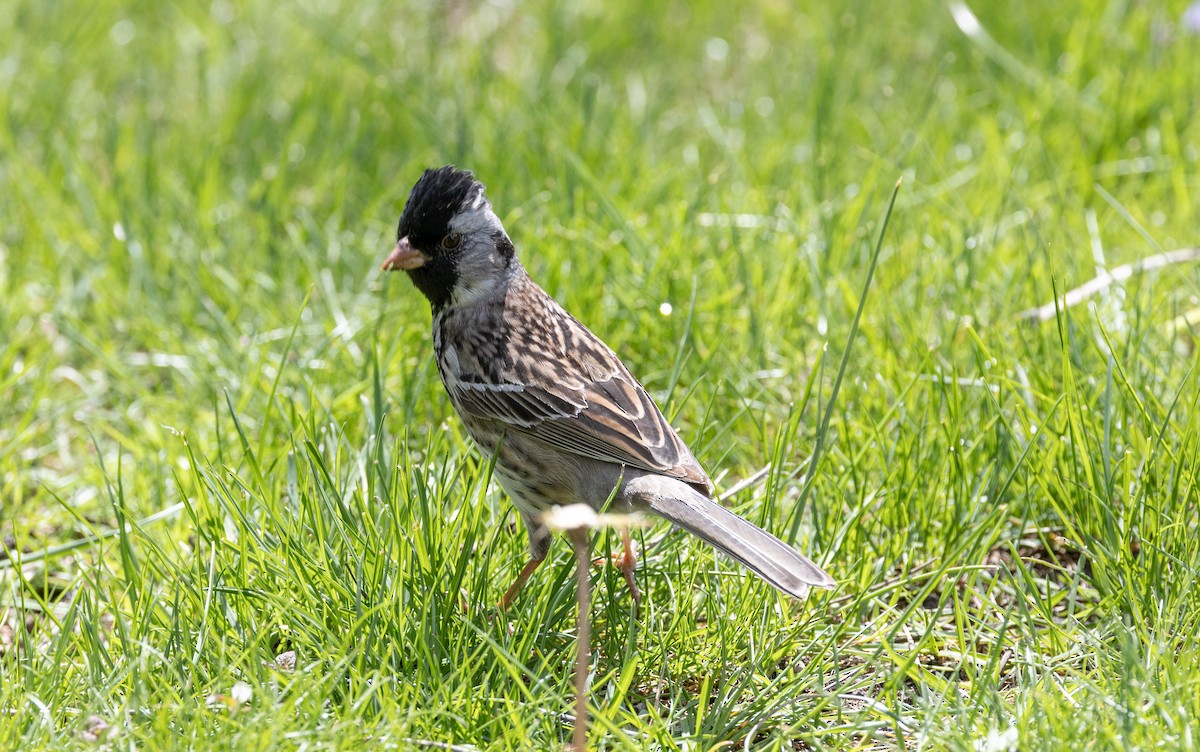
222,436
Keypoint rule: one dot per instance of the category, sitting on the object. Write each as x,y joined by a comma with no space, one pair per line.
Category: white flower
999,741
241,693
581,516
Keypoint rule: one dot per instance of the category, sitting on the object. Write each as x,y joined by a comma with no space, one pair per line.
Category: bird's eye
451,241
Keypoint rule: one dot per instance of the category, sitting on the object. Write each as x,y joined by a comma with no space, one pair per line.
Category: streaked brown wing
571,403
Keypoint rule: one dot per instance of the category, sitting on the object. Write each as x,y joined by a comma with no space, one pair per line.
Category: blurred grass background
222,437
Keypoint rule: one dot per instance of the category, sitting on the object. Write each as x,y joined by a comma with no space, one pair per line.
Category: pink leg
627,562
515,588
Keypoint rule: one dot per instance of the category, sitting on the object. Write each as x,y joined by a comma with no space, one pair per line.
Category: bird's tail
755,548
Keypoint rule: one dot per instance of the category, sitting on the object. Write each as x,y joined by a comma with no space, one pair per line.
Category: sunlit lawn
224,446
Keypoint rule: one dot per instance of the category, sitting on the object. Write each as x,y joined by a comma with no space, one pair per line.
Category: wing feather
577,396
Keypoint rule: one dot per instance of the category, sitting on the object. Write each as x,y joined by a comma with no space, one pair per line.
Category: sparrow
563,418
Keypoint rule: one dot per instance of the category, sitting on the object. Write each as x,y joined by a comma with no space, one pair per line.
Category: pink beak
404,256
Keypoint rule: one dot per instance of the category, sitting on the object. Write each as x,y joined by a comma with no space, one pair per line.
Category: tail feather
755,548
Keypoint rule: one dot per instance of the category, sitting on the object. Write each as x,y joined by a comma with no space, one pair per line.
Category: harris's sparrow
563,417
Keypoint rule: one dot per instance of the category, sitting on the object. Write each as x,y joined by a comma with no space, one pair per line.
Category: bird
562,416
